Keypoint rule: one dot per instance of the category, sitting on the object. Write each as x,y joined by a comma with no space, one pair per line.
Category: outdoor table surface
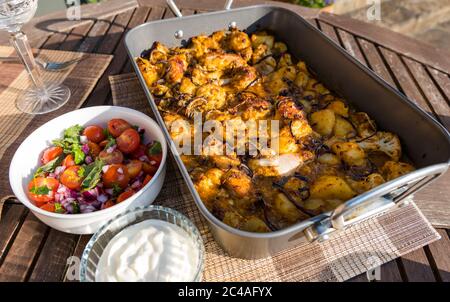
32,251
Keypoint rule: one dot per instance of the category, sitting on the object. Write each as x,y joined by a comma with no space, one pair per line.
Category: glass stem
20,42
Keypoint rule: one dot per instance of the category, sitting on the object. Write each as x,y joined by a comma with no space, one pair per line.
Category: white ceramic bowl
26,161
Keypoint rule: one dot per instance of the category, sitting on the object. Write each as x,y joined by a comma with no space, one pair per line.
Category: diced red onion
85,149
105,168
88,196
88,160
143,158
120,171
100,185
109,191
59,170
102,198
73,193
152,162
136,184
52,175
111,149
87,208
83,139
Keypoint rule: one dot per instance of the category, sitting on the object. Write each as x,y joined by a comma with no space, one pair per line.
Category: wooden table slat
390,272
429,89
417,267
375,61
51,263
328,30
76,37
442,80
18,263
12,218
101,92
351,45
440,252
96,34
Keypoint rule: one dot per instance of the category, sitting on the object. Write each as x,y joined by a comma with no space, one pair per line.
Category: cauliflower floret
385,142
364,125
350,153
266,66
392,169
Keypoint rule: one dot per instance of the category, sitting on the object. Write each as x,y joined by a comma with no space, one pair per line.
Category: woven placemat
347,254
15,126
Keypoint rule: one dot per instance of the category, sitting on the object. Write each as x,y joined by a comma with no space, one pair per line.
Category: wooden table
31,251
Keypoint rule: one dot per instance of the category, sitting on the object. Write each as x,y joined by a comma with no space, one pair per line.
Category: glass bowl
95,247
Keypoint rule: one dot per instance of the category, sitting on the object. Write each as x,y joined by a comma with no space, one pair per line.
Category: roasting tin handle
174,8
355,211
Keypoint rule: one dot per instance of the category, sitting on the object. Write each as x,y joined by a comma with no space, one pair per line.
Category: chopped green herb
92,175
116,190
76,207
50,166
155,148
78,154
111,142
59,208
81,172
43,190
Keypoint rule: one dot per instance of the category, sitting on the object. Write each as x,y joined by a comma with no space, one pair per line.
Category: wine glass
42,97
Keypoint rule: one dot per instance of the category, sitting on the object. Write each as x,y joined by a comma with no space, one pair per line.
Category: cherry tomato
125,195
107,204
128,141
116,175
50,154
94,149
117,126
115,157
140,151
155,160
149,168
94,133
134,168
48,207
71,179
68,161
147,179
103,143
42,190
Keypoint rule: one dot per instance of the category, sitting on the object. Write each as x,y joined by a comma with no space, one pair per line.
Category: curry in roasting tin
328,151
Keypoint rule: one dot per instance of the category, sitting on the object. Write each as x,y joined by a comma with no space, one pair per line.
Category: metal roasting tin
424,140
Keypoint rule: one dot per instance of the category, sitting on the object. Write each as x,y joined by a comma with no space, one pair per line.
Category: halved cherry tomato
134,168
125,195
107,204
68,161
116,175
149,168
51,153
71,179
117,126
128,141
48,207
42,190
147,179
156,159
103,143
115,157
94,133
140,151
94,149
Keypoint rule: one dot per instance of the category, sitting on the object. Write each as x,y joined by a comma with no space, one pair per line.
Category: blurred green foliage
313,3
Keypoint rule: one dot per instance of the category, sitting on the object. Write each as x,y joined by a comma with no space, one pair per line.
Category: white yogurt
152,250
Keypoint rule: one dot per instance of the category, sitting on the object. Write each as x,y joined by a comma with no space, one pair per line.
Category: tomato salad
94,168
